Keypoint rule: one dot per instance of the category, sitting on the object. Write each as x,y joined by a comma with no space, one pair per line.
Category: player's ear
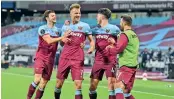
70,13
46,18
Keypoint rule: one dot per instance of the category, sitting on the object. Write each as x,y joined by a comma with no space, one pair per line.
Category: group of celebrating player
109,41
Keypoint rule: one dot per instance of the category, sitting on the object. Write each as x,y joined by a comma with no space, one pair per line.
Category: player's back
47,51
102,35
72,49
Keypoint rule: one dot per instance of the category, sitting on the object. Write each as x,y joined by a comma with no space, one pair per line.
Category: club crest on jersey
107,30
80,28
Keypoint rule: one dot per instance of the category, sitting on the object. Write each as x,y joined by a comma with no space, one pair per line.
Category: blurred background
153,21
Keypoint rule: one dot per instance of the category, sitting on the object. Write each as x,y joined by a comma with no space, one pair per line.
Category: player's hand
67,33
82,45
67,22
66,40
111,41
90,50
109,46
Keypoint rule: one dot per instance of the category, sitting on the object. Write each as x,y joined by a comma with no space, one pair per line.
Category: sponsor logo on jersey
102,36
76,34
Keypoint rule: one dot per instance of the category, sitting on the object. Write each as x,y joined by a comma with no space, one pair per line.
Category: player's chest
53,32
76,28
102,34
77,31
102,31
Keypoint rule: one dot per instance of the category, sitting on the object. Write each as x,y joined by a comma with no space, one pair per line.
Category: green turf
15,82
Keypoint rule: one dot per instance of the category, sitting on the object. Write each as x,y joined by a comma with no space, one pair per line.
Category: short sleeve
116,31
42,31
88,30
64,28
93,30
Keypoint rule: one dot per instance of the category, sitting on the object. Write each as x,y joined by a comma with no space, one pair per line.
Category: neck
74,22
127,28
104,23
50,24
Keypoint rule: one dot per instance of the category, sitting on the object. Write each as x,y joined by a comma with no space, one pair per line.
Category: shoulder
84,24
114,27
42,27
63,26
42,30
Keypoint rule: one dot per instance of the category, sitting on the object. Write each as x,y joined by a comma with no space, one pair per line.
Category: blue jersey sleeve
93,30
64,29
88,30
42,31
115,30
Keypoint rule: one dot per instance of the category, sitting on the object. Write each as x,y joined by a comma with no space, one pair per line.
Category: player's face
99,18
121,24
75,15
52,17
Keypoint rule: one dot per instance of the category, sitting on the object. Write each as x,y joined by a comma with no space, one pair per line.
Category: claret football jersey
47,51
101,36
72,49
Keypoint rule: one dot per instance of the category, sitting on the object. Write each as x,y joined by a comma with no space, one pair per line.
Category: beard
76,20
99,22
54,21
122,28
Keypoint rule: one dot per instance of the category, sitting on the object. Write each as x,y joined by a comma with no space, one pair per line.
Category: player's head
126,20
103,13
50,16
75,12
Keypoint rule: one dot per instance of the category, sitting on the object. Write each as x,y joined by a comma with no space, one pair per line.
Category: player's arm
51,40
65,40
47,38
115,33
120,45
62,43
92,44
90,38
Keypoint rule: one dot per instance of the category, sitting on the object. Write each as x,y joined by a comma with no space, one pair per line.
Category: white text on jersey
76,34
102,36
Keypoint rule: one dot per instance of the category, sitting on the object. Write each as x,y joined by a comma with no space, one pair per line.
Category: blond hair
75,5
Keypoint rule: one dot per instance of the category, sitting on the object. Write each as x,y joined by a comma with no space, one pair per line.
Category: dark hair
105,11
46,14
75,5
127,19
